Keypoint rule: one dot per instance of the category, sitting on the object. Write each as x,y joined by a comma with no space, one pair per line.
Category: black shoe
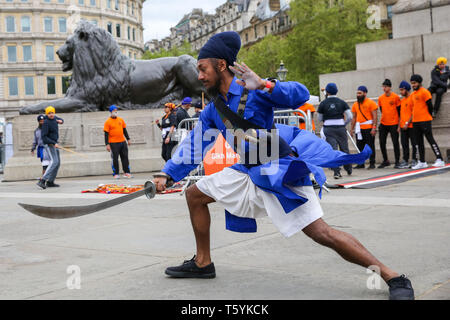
52,185
349,172
190,270
41,184
398,166
400,288
337,175
372,166
359,166
384,164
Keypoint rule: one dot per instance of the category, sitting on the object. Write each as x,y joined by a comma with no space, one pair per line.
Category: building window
60,1
118,30
65,84
93,4
25,23
27,55
51,88
81,2
10,24
129,32
13,87
12,54
29,86
94,22
48,24
48,1
109,26
132,8
62,25
128,7
9,0
134,34
49,53
108,4
117,5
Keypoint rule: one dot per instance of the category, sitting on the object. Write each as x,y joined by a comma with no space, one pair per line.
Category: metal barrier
292,118
2,157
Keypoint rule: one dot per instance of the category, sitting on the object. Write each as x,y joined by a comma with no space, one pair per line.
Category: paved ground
122,252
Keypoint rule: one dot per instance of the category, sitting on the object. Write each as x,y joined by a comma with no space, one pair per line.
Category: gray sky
160,15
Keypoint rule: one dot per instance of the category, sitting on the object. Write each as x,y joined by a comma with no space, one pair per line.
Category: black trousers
167,149
368,139
120,149
407,136
439,93
421,129
337,137
384,131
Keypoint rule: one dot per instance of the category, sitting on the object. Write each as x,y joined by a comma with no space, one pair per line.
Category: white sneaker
439,163
420,165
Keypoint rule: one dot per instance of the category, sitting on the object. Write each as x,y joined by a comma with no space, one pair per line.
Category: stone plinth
83,133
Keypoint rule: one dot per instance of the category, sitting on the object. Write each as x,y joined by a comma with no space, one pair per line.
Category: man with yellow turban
50,136
439,82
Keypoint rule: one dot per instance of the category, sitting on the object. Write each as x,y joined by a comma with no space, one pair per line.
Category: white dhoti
241,197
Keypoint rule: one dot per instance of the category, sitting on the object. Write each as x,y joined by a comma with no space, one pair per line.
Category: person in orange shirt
305,107
389,104
421,117
405,126
115,133
364,123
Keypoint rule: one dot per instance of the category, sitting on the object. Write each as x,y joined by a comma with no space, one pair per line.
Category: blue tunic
313,152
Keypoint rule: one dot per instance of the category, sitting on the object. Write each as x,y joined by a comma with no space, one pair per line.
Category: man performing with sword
278,186
251,189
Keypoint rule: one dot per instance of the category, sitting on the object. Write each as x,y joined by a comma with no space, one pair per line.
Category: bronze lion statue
102,76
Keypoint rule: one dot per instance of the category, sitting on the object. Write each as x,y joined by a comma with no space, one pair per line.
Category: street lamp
282,72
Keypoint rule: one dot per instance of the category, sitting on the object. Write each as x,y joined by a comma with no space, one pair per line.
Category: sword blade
78,211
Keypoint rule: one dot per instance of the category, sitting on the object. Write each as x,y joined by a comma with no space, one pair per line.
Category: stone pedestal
83,133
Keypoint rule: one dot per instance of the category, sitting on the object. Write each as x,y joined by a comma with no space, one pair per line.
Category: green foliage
174,52
322,41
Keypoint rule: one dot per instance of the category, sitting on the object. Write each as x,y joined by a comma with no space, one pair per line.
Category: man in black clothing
50,136
198,109
439,82
335,114
182,112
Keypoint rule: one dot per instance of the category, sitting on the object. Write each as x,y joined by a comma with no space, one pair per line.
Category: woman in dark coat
168,127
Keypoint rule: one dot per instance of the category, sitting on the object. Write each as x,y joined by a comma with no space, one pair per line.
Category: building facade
31,31
252,19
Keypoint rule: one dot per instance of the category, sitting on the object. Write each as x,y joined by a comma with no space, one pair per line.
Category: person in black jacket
439,82
182,112
168,127
50,136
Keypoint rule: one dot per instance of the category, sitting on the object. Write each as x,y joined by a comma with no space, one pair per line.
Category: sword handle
150,190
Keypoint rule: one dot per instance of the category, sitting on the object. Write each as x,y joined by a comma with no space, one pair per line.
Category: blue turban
112,108
224,45
363,89
405,85
186,101
331,88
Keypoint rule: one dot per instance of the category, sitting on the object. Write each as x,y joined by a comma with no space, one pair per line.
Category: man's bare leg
201,220
347,246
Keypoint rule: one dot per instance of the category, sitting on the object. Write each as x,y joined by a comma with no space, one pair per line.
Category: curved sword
78,211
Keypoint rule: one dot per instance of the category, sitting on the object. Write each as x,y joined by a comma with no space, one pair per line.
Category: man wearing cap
50,136
335,114
182,111
389,103
116,132
422,119
198,108
405,126
364,123
439,82
38,144
279,187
